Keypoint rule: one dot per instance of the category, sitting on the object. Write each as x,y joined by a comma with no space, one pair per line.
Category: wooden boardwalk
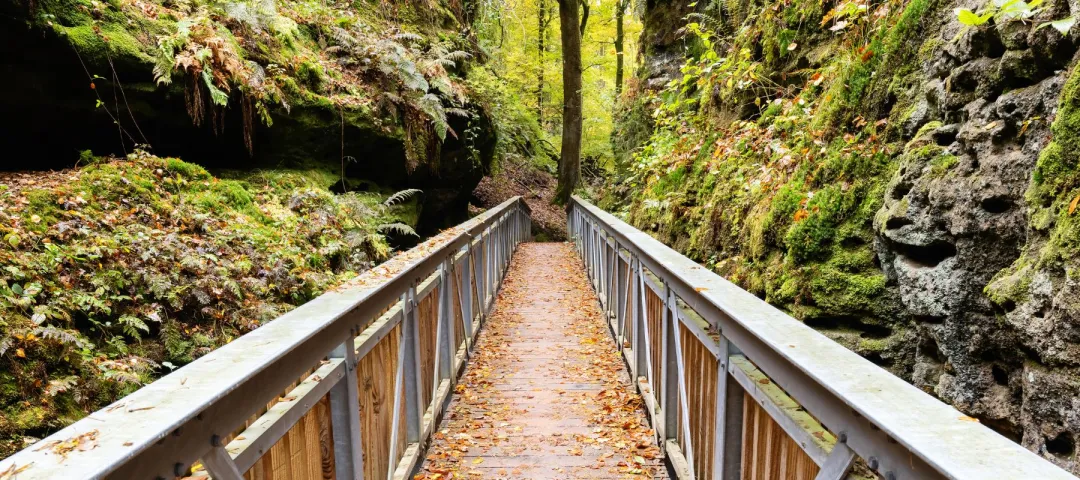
546,394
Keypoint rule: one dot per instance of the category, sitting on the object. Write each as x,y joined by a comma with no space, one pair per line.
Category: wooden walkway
546,394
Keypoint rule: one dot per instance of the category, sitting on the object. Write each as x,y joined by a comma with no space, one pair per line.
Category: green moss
106,42
311,74
876,345
923,135
187,170
1055,183
940,165
670,182
29,418
837,292
907,25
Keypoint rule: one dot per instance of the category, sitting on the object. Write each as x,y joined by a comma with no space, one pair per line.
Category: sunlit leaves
967,17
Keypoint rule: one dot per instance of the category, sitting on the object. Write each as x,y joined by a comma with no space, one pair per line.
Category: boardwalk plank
546,394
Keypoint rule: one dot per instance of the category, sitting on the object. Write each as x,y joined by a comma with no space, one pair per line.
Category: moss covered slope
885,174
118,271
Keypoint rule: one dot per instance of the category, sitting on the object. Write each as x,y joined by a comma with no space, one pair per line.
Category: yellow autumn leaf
20,353
1072,205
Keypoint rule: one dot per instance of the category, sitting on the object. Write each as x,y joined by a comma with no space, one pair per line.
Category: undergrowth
759,164
123,269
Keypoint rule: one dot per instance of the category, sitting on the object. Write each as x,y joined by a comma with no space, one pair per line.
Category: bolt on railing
406,327
735,388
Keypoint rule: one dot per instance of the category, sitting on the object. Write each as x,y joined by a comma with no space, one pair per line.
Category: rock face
954,215
299,94
663,41
939,242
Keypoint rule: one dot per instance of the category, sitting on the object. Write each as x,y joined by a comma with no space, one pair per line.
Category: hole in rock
1062,445
945,136
1001,377
928,319
901,190
866,330
927,256
996,204
897,222
929,349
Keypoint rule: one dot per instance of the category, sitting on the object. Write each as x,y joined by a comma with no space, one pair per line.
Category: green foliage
380,69
1003,11
509,32
401,197
122,266
776,186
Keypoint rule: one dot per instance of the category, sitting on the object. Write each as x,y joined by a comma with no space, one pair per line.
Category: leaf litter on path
546,394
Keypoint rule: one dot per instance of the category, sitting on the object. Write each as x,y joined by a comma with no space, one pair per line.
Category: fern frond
398,228
401,196
123,377
457,56
132,325
64,337
61,385
342,37
433,107
407,37
459,112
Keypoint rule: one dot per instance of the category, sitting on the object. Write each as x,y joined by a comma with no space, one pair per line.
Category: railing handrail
163,428
898,428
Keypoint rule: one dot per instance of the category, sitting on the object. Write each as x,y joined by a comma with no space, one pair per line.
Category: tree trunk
584,16
620,40
570,159
541,40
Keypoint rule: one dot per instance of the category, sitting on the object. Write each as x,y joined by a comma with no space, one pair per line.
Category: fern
5,345
219,97
342,37
120,376
408,37
398,228
61,385
459,112
132,325
62,336
433,107
401,196
457,56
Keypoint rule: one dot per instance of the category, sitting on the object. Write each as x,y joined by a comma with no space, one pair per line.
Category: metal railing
735,388
397,336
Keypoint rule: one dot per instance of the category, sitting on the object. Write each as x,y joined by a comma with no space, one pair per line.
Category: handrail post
443,355
465,296
345,416
488,254
635,319
414,413
727,446
620,298
641,350
400,391
669,382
